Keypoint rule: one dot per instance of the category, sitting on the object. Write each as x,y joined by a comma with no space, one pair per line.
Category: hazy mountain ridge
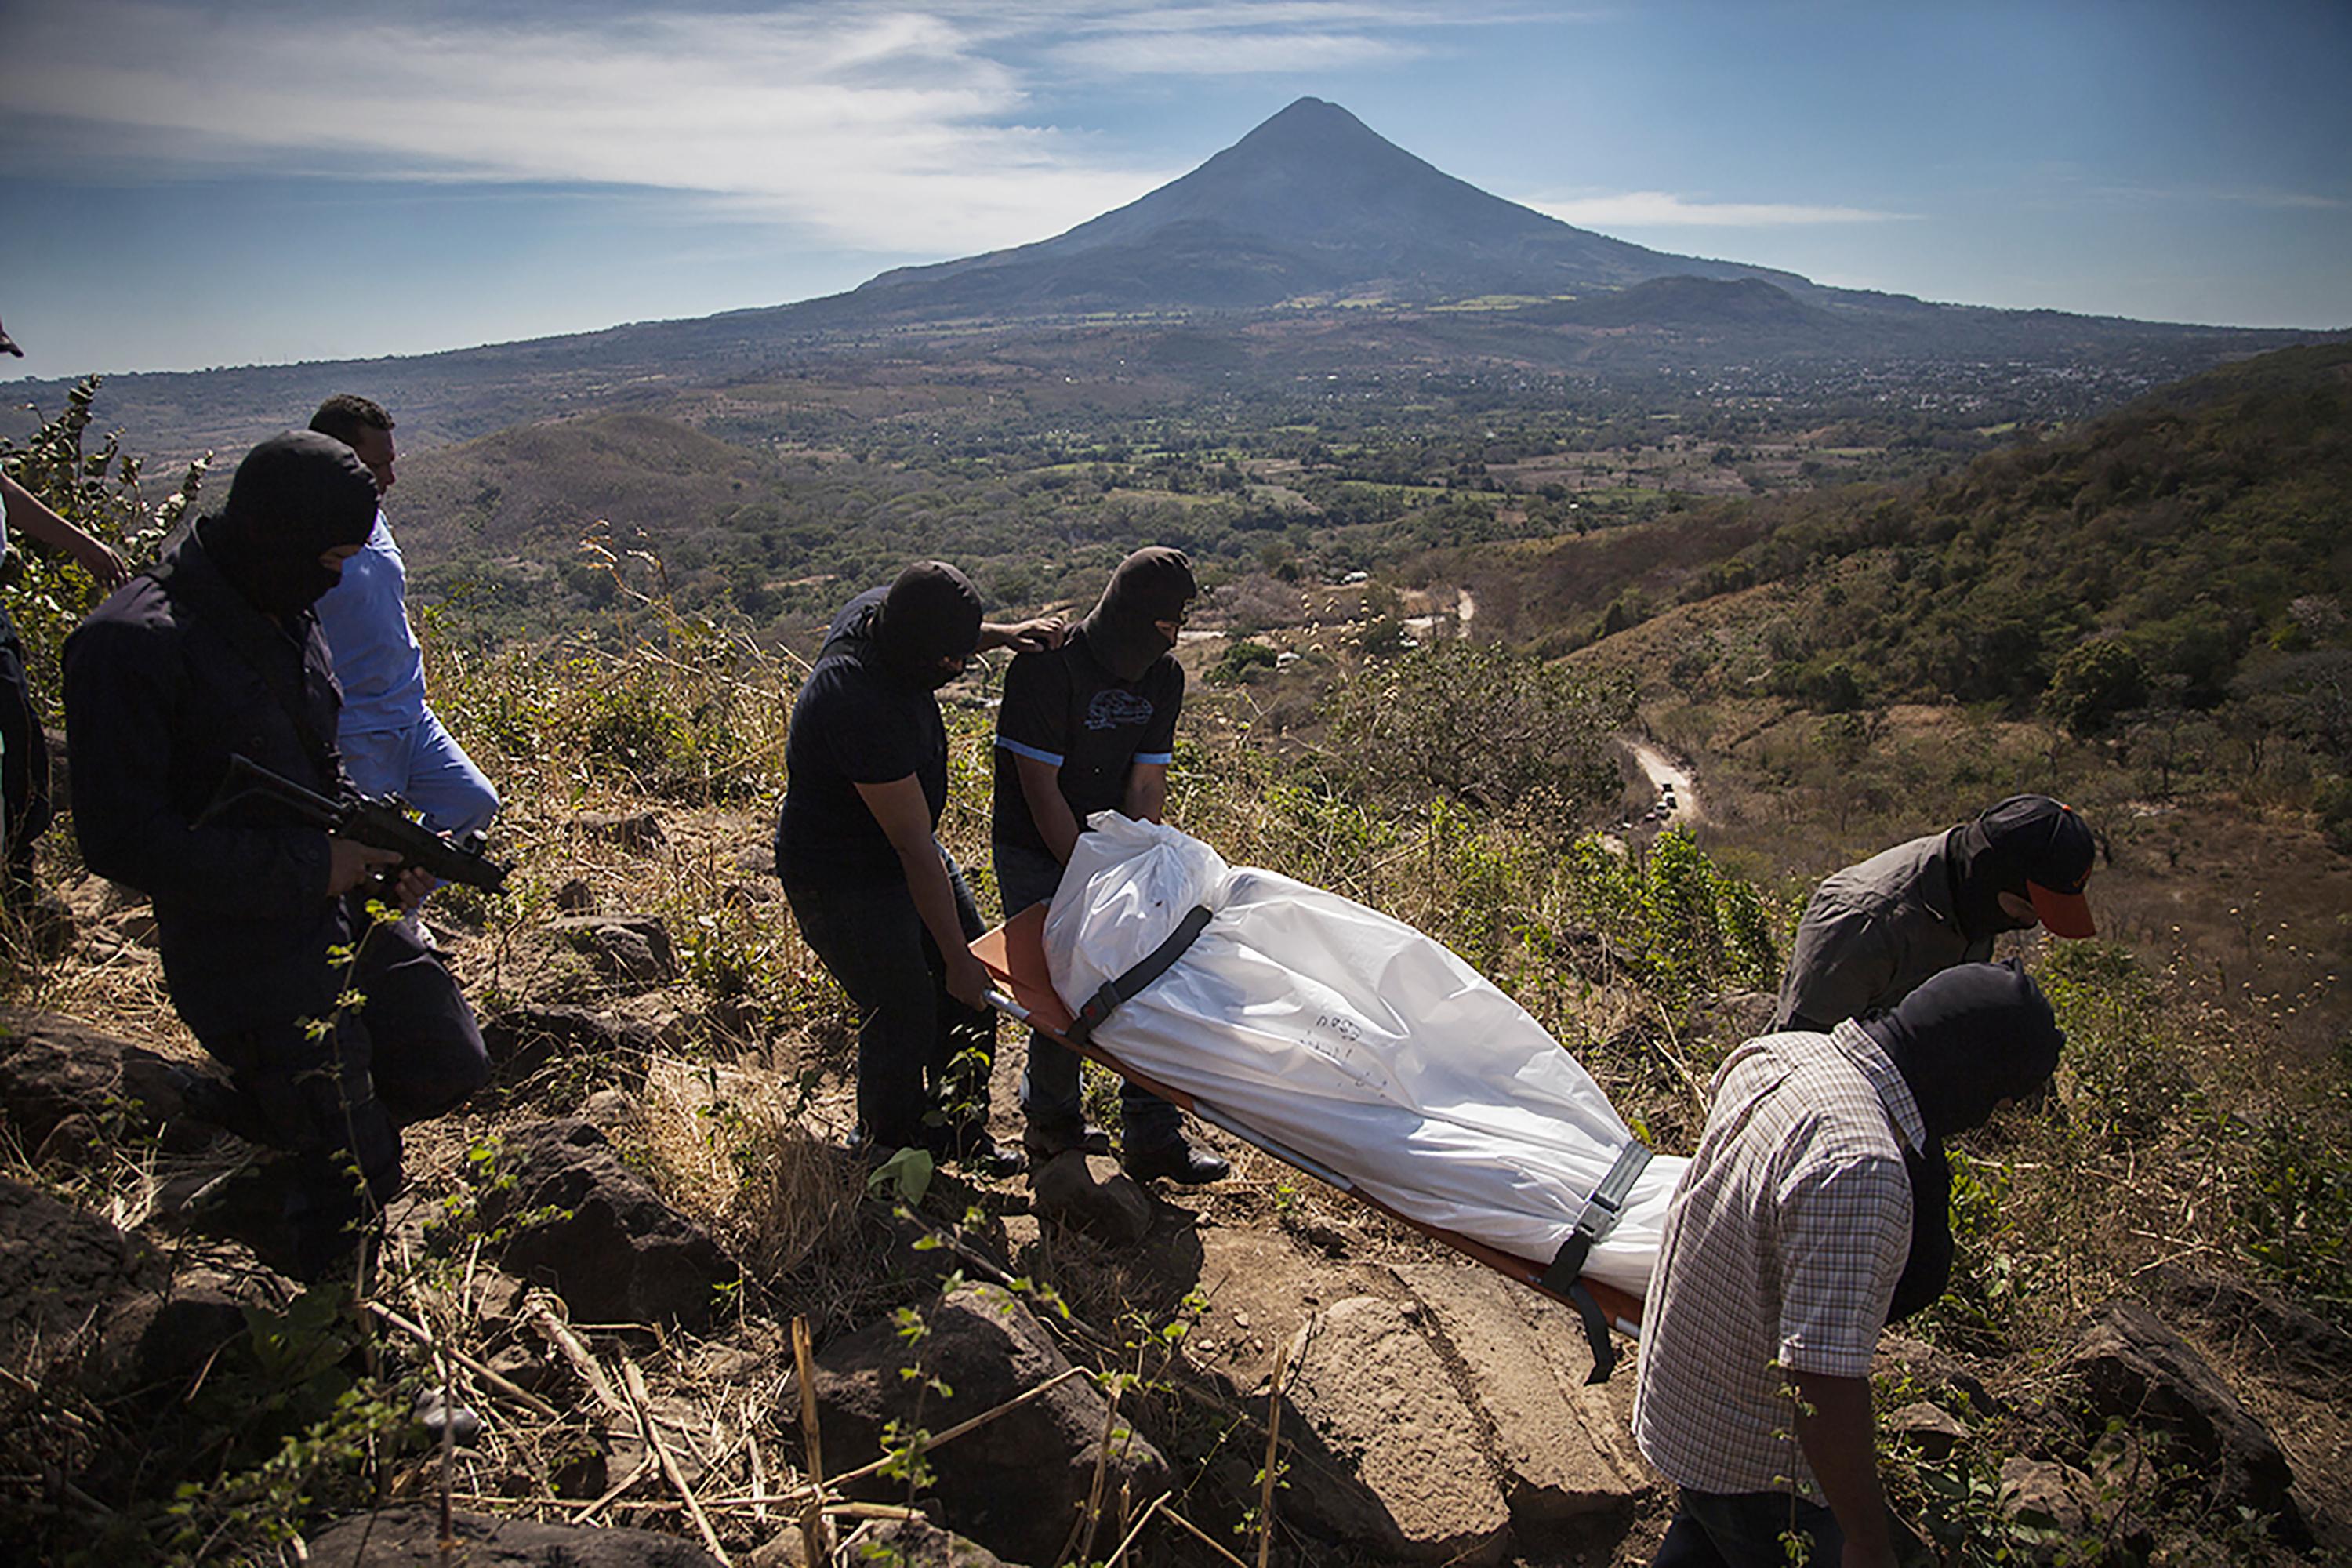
1322,205
1315,244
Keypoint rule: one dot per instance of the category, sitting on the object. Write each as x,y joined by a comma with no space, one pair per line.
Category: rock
1091,1194
2130,1366
1931,1429
1523,1360
613,1111
523,1039
631,830
164,1340
2269,1333
75,1289
1401,1474
612,1249
2040,1493
1018,1485
410,1536
626,949
61,1269
906,1543
137,928
574,897
53,1066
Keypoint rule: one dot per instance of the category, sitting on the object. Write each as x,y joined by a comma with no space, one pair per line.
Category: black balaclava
1151,585
930,614
295,497
1981,872
1964,1041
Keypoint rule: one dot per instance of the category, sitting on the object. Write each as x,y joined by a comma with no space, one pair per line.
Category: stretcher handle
1005,1005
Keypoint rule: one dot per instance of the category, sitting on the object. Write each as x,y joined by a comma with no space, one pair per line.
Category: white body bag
1354,1040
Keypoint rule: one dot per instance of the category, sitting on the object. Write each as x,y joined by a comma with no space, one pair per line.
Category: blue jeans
868,934
1743,1530
424,764
1049,1089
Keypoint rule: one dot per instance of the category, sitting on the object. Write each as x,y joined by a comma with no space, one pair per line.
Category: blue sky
239,182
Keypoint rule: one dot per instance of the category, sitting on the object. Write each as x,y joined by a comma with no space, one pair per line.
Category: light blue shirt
365,618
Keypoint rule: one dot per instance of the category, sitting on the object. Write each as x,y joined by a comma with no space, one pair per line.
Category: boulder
523,1039
595,1233
1523,1358
74,1287
575,896
1390,1463
54,1067
61,1271
626,949
1018,1485
2055,1511
2130,1364
2044,1495
1093,1194
1931,1429
2270,1335
410,1536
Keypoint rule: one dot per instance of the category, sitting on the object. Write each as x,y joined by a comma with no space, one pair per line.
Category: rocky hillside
609,1254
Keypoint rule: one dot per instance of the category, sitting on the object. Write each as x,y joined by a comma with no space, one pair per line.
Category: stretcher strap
1600,1216
1103,1003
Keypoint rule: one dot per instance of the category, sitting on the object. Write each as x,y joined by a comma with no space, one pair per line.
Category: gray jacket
1871,933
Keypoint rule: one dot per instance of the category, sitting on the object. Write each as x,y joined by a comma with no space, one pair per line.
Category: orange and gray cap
2053,847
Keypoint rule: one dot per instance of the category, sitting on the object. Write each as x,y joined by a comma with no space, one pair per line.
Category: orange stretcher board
1015,952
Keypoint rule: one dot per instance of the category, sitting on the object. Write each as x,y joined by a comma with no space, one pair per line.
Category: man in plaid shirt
1791,1235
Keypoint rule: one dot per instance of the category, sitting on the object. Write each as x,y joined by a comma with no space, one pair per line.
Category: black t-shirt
855,722
1064,709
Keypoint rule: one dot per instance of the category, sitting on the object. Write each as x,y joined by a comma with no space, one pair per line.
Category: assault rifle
380,820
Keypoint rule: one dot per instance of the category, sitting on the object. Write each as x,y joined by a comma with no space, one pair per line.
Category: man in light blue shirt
391,740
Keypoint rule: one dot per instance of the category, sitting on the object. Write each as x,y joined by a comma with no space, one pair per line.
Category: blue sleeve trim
1162,758
1031,752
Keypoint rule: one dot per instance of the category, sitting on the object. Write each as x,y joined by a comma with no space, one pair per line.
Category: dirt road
1665,772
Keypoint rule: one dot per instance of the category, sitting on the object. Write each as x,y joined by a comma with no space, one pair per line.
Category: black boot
1178,1160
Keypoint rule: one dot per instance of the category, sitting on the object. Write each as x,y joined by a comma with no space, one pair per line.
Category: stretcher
1015,954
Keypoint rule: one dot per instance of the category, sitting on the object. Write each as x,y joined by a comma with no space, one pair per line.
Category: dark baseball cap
2053,846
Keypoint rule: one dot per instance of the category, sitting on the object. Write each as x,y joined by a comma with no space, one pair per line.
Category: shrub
1242,661
1485,724
2094,683
99,492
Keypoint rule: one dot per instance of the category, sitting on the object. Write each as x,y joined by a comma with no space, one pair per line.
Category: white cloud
886,132
1231,54
1663,209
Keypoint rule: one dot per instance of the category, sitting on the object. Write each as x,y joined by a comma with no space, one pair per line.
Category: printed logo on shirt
1112,709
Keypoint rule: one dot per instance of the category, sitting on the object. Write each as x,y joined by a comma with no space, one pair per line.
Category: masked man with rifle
212,654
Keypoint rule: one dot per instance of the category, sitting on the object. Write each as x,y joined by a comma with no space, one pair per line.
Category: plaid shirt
1785,1240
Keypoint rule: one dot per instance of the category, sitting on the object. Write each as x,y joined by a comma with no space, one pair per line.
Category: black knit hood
931,614
1149,586
295,497
1967,1039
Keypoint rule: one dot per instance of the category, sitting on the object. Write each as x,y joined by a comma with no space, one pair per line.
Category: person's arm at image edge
29,516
